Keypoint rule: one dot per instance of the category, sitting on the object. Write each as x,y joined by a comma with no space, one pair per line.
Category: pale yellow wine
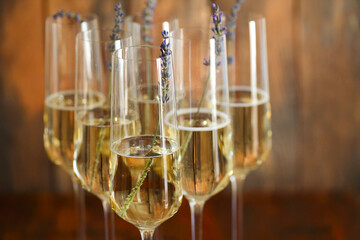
250,127
160,195
92,151
205,171
59,126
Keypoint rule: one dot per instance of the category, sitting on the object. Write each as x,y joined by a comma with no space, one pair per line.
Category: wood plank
330,83
22,82
321,216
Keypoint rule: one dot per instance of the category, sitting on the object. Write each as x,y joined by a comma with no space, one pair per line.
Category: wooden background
314,62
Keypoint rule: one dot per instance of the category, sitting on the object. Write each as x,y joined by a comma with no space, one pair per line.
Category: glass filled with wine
60,34
145,187
94,51
204,124
249,106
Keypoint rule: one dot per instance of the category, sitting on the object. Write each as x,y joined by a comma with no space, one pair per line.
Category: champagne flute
145,187
249,107
202,123
59,97
92,116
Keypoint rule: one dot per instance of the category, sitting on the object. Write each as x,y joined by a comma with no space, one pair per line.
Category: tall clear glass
249,107
203,123
94,51
59,97
145,187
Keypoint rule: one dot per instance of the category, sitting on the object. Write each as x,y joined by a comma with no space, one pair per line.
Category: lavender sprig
217,29
70,15
219,32
232,16
118,27
148,18
165,71
164,98
231,24
119,22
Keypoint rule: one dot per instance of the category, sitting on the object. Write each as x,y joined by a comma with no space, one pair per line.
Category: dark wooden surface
314,61
282,216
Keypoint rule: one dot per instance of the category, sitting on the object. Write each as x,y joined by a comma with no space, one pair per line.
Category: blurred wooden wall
314,61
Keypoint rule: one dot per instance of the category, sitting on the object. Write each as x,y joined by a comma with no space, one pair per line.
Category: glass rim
144,46
80,36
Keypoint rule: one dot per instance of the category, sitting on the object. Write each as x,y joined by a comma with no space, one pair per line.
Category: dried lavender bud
62,13
217,29
165,70
206,62
119,22
230,59
70,15
148,18
232,16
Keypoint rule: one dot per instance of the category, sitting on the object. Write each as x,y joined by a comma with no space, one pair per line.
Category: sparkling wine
92,149
206,171
250,127
59,126
160,195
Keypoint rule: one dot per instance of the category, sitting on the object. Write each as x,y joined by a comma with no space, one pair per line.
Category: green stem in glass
97,156
134,190
189,134
101,140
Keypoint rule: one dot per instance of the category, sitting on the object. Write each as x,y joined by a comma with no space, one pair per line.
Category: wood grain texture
314,62
329,60
320,216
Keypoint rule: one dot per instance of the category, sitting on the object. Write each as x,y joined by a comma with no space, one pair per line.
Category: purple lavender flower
119,22
165,67
77,17
217,29
148,18
70,15
206,62
62,13
231,24
118,28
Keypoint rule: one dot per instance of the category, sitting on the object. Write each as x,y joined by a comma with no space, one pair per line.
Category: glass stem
237,207
196,219
80,209
147,234
108,221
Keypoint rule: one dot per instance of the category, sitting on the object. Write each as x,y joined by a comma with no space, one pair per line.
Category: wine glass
249,107
145,187
92,116
59,97
202,122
